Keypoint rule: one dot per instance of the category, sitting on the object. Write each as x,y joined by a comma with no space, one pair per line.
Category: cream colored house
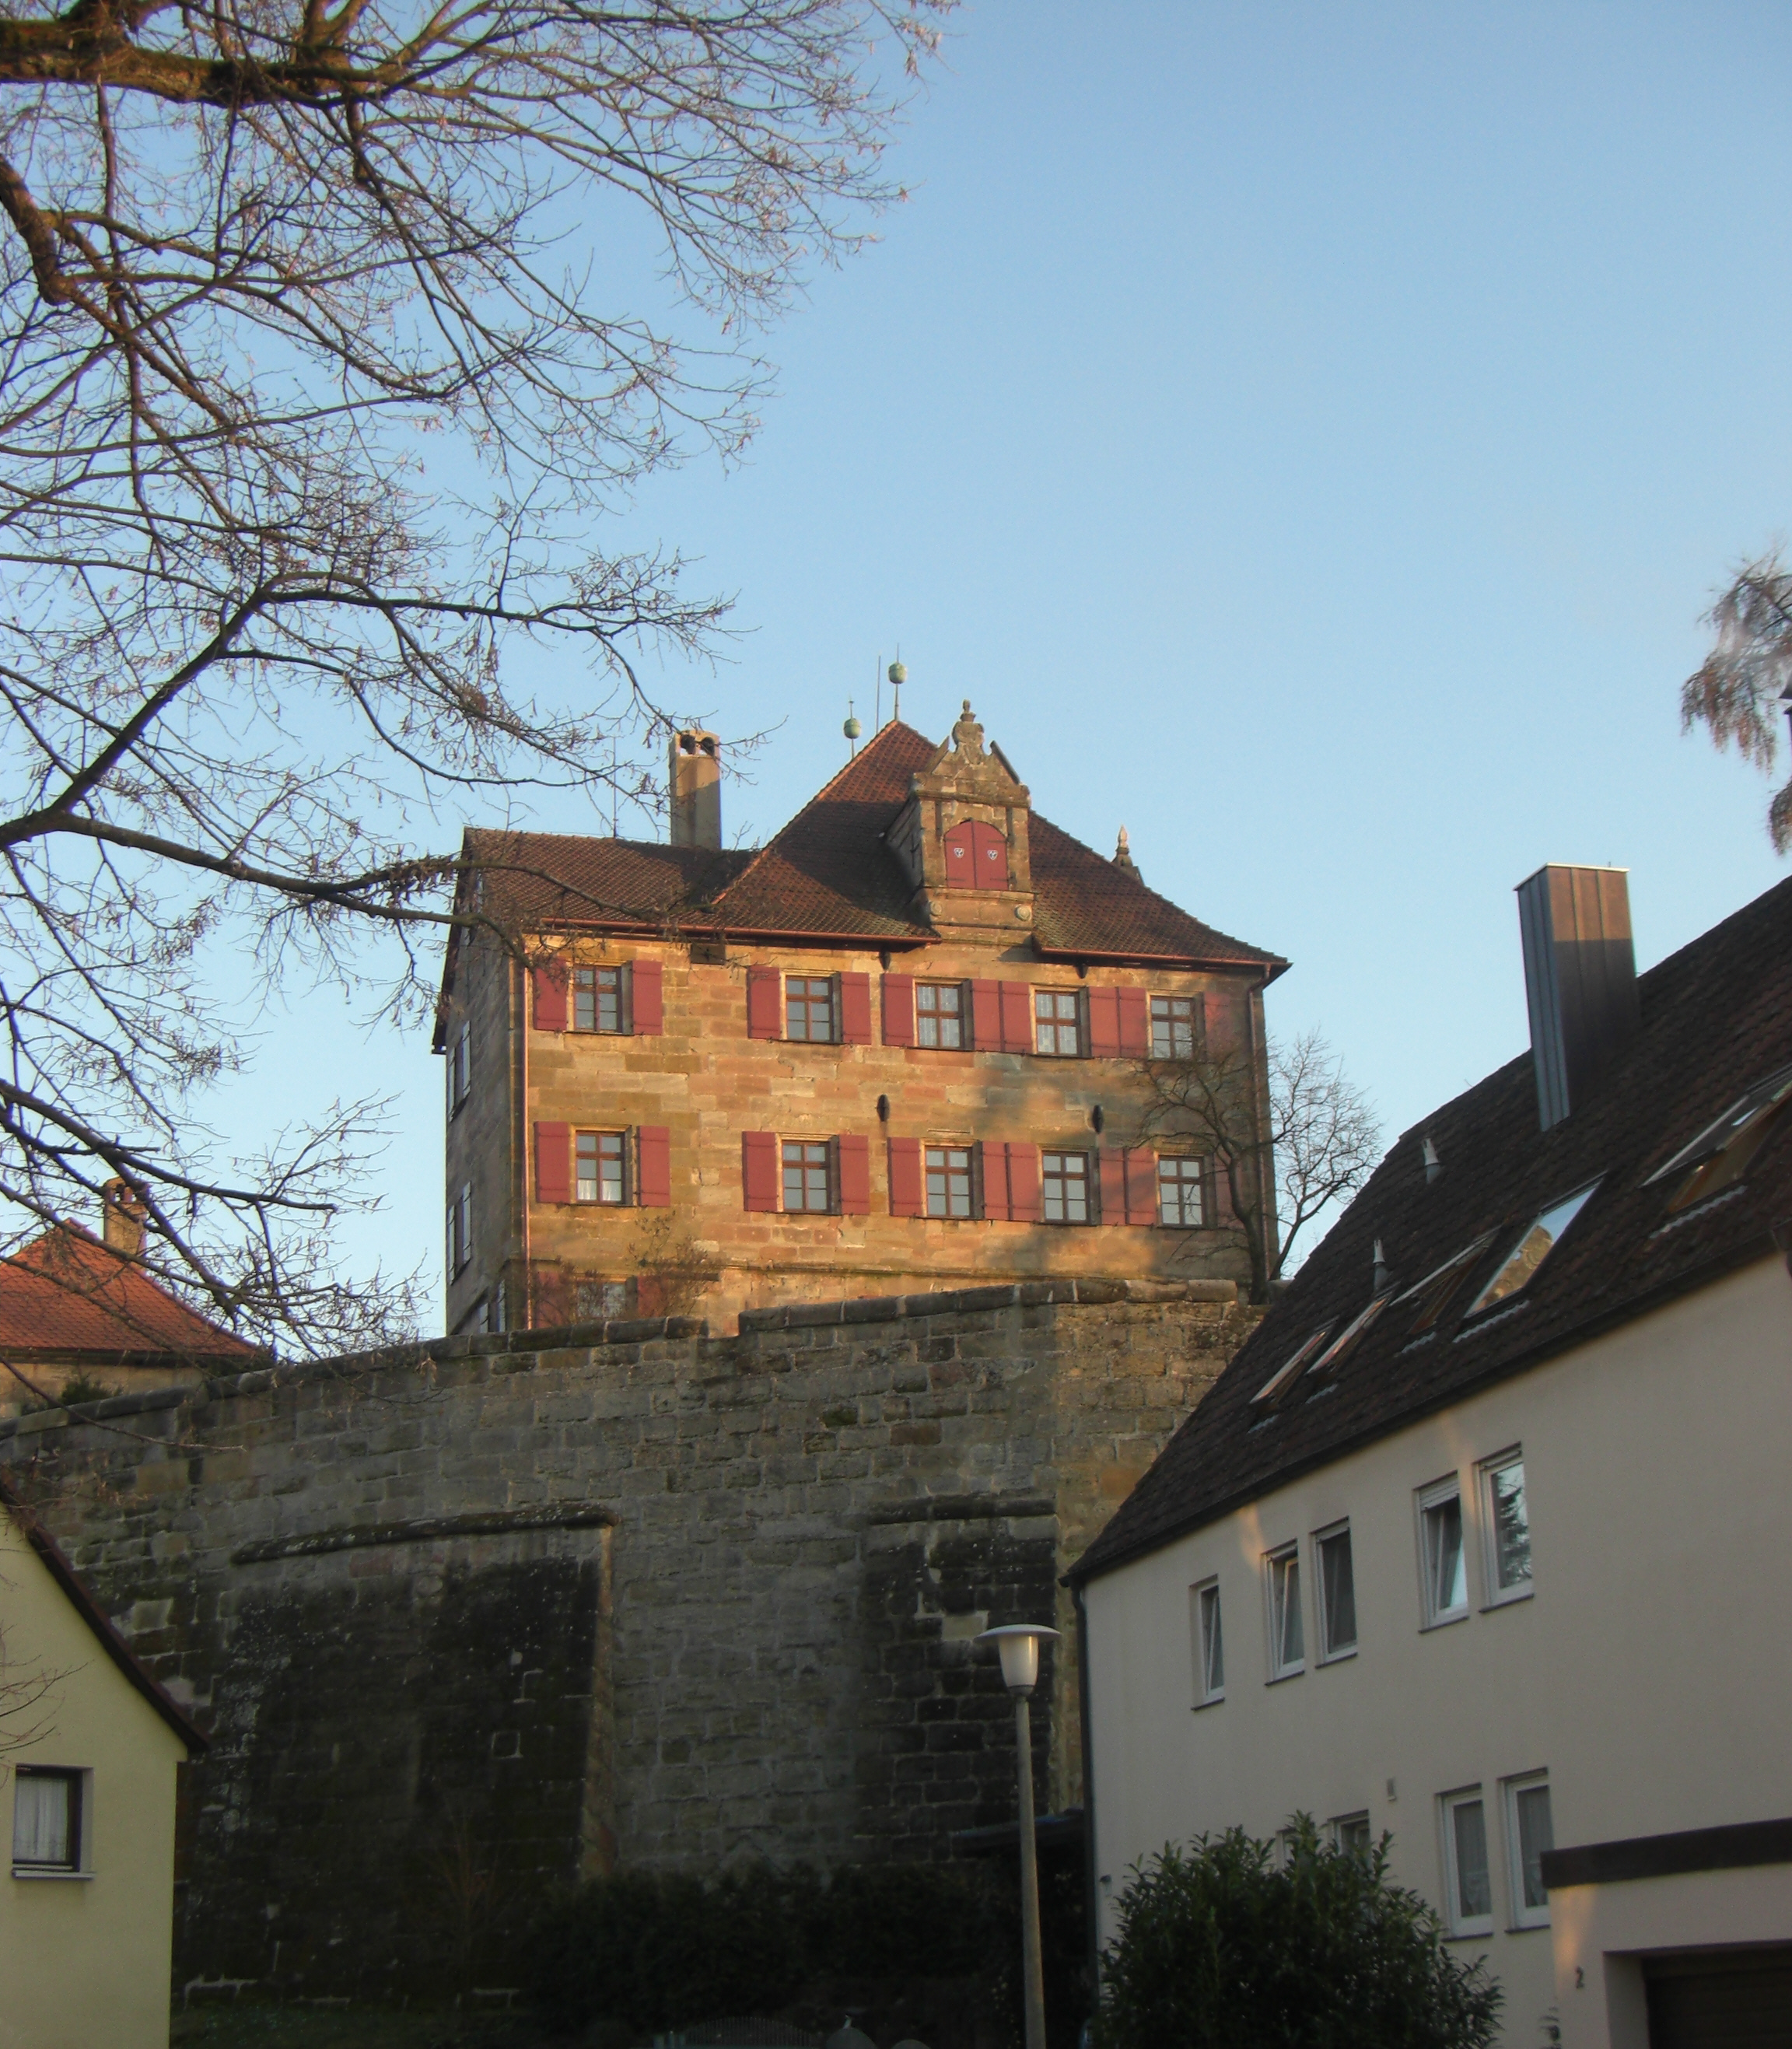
88,1747
1483,1539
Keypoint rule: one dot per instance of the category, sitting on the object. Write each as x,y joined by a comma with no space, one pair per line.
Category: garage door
1743,2001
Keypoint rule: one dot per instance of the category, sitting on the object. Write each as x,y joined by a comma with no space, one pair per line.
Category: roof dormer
961,837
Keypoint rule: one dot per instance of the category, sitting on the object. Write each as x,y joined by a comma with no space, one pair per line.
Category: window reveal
948,1176
1172,1027
806,1177
1055,1019
1179,1200
1064,1186
598,999
809,1009
600,1165
939,1014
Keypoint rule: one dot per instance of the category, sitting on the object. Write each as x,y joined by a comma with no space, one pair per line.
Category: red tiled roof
831,874
66,1293
1717,1020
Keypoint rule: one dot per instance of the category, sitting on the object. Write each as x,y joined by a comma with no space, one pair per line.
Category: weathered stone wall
467,1621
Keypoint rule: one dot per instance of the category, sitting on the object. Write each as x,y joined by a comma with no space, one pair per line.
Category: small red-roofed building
898,1048
78,1310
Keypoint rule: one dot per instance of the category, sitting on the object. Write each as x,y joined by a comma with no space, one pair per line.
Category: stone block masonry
470,1620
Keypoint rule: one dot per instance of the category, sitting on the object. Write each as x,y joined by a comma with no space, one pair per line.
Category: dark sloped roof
97,1620
66,1291
1717,1019
831,874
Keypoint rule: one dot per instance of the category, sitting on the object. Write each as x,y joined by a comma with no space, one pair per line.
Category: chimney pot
122,1218
1579,981
695,789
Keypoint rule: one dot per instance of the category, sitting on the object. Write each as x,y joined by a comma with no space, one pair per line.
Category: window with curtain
46,1818
1056,1017
599,1159
1528,1834
1469,1887
939,1014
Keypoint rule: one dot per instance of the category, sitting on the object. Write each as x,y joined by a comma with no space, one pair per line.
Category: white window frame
1275,1608
1458,1922
1509,1788
1423,1501
1338,1823
1204,1602
1486,1473
1329,1653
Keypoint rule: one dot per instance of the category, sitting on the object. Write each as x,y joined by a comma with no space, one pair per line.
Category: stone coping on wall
632,1331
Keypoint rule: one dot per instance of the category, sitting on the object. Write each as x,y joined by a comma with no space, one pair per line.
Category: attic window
1437,1290
1521,1262
1284,1375
1718,1157
1347,1340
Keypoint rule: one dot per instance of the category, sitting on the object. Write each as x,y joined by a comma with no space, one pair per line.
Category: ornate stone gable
961,837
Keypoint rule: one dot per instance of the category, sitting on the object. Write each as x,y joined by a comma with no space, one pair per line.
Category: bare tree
1318,1146
314,379
1745,683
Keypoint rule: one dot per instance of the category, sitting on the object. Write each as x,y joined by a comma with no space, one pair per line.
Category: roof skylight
1436,1292
1516,1268
1283,1377
1342,1346
1720,1152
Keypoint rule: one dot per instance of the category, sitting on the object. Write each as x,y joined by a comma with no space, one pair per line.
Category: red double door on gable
975,856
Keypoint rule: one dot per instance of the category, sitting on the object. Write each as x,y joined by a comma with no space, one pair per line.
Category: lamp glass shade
1018,1644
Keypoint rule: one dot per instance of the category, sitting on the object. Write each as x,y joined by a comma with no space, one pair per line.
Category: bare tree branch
1744,684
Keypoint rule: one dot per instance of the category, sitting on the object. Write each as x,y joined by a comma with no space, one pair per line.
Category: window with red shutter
1135,1025
986,1016
899,1010
992,1175
906,1195
988,857
549,982
554,1163
961,857
647,1004
1023,1204
759,1170
765,1003
852,1172
1104,1024
1016,1017
855,1009
653,1159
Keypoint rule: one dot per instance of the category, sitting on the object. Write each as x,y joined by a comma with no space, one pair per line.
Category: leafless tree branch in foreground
329,331
1744,685
1320,1144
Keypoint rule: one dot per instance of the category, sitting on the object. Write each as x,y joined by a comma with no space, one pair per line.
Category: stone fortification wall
469,1621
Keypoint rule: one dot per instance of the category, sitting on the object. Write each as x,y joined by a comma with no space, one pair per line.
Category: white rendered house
1484,1540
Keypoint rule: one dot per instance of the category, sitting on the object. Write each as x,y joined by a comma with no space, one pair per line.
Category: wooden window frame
1194,1009
621,1200
1057,1025
959,1019
968,1153
1181,1180
809,983
575,995
829,1205
1046,1177
72,1778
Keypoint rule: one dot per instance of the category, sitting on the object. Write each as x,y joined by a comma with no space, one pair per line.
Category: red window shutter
653,1167
1023,1204
765,998
853,1153
1114,1186
759,1170
986,1016
1135,1024
647,1006
899,1010
855,1009
1016,1017
990,853
961,857
1104,1025
549,982
907,1196
1141,1185
554,1163
992,1172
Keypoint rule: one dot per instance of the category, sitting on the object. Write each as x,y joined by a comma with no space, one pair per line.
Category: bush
649,1952
1217,1948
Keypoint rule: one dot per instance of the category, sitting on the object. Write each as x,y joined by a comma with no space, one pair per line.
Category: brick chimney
696,789
121,1210
1579,981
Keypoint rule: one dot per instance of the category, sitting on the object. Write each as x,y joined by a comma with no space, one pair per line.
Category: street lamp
1018,1646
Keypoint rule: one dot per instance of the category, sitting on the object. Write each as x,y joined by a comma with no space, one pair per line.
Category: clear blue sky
1309,435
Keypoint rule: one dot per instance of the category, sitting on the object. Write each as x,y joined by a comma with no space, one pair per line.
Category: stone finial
967,740
1123,858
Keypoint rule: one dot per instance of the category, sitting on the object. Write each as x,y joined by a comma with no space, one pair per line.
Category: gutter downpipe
1091,1889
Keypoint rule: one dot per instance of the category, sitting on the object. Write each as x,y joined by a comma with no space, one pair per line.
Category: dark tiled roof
74,1588
829,873
66,1293
1717,1019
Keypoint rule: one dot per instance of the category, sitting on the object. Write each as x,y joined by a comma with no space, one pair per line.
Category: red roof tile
66,1293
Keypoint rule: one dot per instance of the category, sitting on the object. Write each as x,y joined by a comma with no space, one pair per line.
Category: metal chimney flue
695,789
1579,981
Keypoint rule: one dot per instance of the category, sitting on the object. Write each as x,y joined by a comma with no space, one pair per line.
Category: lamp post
1019,1645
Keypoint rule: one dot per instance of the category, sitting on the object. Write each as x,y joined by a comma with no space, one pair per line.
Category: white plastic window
1288,1646
1442,1566
1468,1883
1337,1592
1527,1835
1210,1646
1506,1519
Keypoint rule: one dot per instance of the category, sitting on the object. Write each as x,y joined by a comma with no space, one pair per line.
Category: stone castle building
896,1048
